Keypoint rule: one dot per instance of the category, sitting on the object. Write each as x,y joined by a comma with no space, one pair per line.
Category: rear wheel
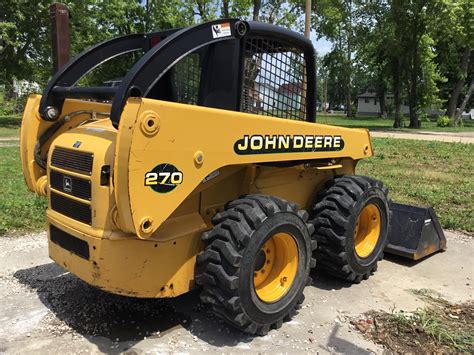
351,219
256,262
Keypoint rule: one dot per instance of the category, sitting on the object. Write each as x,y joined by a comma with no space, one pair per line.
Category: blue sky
323,46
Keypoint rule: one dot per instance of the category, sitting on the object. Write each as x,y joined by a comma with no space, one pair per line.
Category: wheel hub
367,230
275,267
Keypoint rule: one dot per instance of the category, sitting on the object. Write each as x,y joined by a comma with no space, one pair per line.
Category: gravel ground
45,309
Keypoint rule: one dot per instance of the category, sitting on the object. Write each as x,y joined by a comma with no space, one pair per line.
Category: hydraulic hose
51,130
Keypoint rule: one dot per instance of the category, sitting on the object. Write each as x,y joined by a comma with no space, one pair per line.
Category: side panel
177,146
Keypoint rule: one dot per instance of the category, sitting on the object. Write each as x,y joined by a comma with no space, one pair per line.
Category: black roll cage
220,89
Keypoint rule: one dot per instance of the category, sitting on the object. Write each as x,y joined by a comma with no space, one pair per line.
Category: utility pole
307,33
59,15
307,21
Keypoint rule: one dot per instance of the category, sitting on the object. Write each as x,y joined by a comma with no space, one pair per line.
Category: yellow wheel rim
275,267
367,230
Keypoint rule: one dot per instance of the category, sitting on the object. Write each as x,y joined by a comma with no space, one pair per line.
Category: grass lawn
20,210
427,173
10,126
417,172
378,124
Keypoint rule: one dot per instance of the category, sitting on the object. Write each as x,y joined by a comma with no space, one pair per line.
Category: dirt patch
438,327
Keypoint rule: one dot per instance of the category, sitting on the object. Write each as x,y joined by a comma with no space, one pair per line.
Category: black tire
334,217
226,267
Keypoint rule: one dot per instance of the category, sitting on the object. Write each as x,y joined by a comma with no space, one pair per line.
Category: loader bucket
415,232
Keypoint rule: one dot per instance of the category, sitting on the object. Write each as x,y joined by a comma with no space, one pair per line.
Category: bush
444,121
423,117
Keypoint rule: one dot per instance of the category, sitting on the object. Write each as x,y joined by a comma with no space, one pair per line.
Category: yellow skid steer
204,167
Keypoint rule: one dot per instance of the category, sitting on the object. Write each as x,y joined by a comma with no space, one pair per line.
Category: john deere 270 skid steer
204,167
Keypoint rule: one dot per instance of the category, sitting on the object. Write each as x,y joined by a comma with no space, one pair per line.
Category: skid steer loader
203,167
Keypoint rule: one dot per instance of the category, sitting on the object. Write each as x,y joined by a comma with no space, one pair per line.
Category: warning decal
221,30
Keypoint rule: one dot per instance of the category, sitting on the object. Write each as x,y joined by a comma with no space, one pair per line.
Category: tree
454,44
24,30
335,21
373,42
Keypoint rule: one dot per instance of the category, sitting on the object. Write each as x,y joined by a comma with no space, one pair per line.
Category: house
24,87
368,103
267,97
289,95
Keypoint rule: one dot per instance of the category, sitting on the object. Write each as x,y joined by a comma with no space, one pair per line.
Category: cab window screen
274,82
186,77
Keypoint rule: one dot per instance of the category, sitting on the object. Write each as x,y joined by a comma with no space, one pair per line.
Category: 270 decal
164,178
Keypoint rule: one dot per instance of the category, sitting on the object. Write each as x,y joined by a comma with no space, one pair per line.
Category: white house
24,87
368,103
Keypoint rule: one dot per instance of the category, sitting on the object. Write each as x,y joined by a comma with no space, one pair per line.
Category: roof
372,95
291,88
367,95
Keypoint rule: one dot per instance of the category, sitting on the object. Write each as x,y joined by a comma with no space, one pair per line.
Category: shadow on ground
340,345
408,262
115,323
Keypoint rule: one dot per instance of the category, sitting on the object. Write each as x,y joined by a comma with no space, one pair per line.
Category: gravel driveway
44,309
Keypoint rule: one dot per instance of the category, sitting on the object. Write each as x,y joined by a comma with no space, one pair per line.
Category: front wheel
351,220
256,262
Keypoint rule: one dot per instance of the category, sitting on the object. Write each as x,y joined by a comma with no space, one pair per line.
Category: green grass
427,173
20,210
379,124
10,126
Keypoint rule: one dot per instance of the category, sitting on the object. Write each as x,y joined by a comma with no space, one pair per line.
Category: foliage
444,121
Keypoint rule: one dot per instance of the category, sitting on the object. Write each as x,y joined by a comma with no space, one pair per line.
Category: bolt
52,113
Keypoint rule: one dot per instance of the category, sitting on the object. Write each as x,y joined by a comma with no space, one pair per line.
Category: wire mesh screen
274,82
186,78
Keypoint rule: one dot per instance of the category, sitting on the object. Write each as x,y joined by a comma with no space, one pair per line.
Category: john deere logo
67,184
287,144
164,178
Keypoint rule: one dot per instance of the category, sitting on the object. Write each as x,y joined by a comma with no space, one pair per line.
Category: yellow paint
185,130
278,265
367,231
129,266
144,243
32,127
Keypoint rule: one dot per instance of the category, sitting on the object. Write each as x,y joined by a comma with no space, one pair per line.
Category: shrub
444,121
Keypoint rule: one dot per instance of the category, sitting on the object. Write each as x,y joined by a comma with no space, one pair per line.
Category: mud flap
415,232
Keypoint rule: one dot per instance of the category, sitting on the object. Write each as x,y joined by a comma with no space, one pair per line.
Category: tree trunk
453,101
201,6
257,4
349,63
225,8
397,94
383,106
465,101
413,95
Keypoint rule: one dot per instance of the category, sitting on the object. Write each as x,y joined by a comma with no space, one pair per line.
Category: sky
322,46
